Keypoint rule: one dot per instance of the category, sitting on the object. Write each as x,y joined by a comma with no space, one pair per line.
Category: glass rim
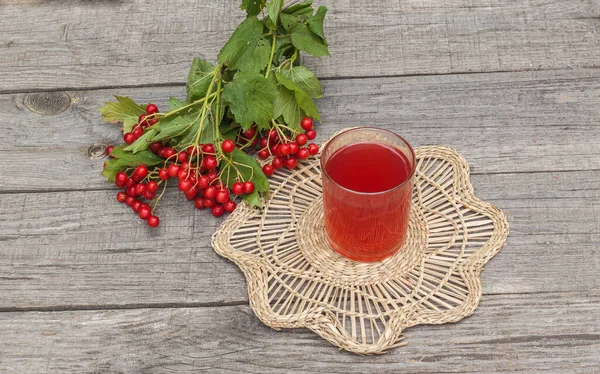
412,153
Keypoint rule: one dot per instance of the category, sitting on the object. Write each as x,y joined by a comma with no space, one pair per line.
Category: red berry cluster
143,123
134,190
287,152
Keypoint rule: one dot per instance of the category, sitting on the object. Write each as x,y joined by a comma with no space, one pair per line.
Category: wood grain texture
555,332
501,123
84,44
81,249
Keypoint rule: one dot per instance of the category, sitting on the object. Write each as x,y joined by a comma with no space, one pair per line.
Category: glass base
365,257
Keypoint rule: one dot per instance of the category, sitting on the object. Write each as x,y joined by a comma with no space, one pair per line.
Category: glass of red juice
367,176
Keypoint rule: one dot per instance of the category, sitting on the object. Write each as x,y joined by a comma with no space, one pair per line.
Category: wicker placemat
296,280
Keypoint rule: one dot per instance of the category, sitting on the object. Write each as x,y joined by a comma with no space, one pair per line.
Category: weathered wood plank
81,249
500,122
557,333
83,44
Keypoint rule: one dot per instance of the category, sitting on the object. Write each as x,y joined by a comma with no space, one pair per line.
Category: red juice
366,200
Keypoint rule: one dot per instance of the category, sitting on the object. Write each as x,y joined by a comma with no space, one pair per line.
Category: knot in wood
47,103
96,151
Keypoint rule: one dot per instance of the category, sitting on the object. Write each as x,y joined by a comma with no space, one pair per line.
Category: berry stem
273,44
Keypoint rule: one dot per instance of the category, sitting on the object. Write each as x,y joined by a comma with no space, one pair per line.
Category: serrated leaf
305,79
273,8
248,168
302,98
287,106
253,200
315,23
199,79
206,136
248,49
175,103
301,9
252,7
290,22
124,110
143,142
250,97
307,41
171,127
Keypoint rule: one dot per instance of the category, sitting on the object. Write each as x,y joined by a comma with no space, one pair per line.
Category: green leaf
315,23
248,49
253,200
248,168
305,40
283,44
273,9
124,110
206,136
291,23
250,97
287,106
143,142
125,159
175,103
301,9
171,127
305,79
199,79
302,98
252,7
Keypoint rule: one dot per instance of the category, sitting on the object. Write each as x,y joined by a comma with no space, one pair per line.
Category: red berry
154,147
182,156
109,149
209,162
263,154
140,189
218,210
137,132
151,109
163,174
290,163
191,194
210,192
237,188
227,146
229,206
274,149
301,139
121,197
212,175
208,203
199,203
182,174
264,142
277,162
306,123
173,170
149,195
273,134
313,149
136,205
130,191
152,121
293,148
136,178
222,196
303,153
121,179
250,132
129,138
144,212
152,186
311,134
141,171
185,185
130,183
142,117
153,221
248,187
268,170
169,152
208,148
284,149
129,200
203,182
192,151
161,152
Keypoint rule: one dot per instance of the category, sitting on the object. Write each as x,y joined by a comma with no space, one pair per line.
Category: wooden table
85,287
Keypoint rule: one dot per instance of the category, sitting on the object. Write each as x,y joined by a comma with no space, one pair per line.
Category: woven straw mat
296,280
